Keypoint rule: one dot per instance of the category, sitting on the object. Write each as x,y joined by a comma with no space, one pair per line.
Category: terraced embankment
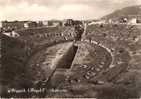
90,60
122,80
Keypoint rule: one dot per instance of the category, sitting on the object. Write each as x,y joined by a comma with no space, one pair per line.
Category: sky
60,9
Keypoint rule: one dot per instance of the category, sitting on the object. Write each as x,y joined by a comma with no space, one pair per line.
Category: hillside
128,12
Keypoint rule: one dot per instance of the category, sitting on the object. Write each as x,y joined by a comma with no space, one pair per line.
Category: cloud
26,11
60,9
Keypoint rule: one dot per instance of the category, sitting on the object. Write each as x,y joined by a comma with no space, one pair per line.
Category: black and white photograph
70,49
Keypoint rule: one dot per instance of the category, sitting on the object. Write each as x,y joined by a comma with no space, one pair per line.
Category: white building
133,21
26,25
12,34
45,23
97,22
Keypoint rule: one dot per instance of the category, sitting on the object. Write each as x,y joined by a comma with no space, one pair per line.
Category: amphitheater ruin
105,59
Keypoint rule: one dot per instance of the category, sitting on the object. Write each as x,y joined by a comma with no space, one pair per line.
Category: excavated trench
67,59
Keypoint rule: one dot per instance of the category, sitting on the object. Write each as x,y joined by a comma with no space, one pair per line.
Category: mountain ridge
128,12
